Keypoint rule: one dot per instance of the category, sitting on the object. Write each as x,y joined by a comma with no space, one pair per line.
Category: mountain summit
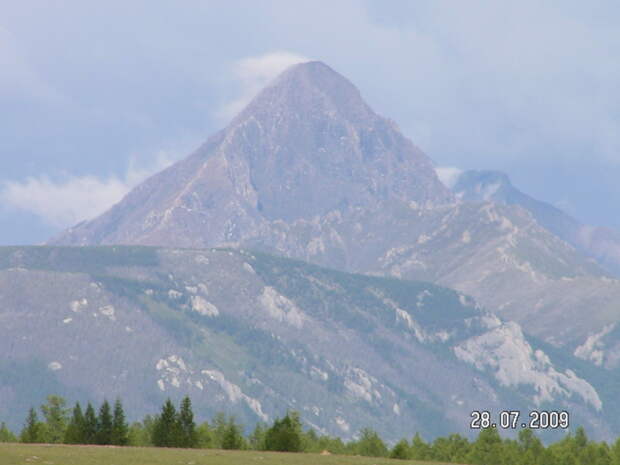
307,170
306,145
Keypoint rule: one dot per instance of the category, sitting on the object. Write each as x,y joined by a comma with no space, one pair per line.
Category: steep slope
307,170
306,145
254,335
603,244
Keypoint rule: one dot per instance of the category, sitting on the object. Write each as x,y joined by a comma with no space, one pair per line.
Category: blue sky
97,95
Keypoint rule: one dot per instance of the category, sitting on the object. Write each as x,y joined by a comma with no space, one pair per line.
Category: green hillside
255,335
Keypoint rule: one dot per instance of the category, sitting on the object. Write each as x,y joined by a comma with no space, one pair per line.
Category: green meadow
43,454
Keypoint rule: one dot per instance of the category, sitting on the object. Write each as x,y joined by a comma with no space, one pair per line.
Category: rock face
255,335
305,146
603,244
308,171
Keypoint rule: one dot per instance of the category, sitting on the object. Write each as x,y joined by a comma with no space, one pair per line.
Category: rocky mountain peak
312,145
305,146
308,90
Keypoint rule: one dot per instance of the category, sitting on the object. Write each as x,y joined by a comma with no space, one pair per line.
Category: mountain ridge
255,335
308,171
603,244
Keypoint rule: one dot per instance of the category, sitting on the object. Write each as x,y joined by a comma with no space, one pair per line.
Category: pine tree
487,448
310,441
89,434
615,452
220,424
604,454
140,433
32,429
75,430
581,438
454,448
104,424
420,450
232,438
370,444
257,438
166,428
285,434
55,415
565,451
206,436
401,450
6,435
189,437
149,423
530,447
120,430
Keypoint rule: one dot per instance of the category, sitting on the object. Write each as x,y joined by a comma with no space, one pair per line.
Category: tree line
106,426
173,427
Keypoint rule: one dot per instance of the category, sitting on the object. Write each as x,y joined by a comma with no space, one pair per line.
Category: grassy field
21,454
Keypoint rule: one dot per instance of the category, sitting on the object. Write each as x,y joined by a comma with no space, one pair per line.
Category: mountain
603,244
307,145
307,170
254,335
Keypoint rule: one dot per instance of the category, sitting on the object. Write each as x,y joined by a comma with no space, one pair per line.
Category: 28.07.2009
514,419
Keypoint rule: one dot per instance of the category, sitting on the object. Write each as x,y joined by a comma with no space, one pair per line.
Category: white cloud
63,203
448,175
254,73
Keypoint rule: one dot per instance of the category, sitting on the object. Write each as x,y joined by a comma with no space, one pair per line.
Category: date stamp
513,419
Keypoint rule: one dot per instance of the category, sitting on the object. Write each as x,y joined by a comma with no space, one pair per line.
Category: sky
96,96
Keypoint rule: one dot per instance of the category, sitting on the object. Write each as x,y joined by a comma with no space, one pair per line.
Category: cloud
63,203
254,73
448,175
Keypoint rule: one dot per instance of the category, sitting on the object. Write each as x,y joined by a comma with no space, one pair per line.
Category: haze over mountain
598,242
308,170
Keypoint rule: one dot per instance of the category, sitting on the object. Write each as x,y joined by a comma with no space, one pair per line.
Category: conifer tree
75,430
565,450
454,448
55,415
615,452
104,424
232,439
487,448
206,436
89,434
257,438
149,422
581,438
140,433
120,429
285,434
420,450
166,428
220,424
604,454
310,441
187,427
401,450
370,444
531,448
32,429
6,435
